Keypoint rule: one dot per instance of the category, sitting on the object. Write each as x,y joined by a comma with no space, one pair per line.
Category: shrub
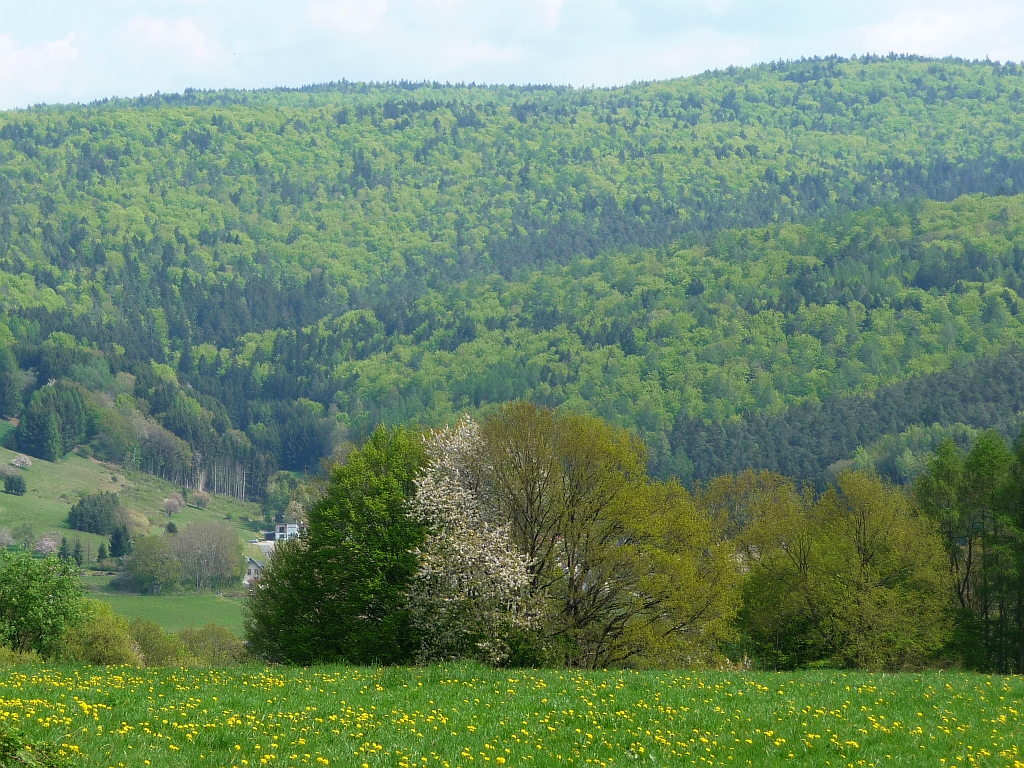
201,499
16,750
213,645
158,648
15,484
102,638
9,658
40,600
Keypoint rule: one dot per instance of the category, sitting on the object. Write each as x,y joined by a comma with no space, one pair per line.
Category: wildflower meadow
469,715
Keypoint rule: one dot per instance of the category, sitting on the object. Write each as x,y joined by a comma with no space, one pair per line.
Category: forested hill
263,273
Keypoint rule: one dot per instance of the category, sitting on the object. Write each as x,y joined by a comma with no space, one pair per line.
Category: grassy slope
54,487
470,716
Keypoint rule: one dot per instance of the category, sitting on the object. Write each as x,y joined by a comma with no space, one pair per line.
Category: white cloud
458,54
182,39
942,28
549,12
351,16
34,72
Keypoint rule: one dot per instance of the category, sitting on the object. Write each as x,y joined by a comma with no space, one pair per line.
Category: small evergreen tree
120,542
10,383
15,484
76,554
101,552
64,553
95,513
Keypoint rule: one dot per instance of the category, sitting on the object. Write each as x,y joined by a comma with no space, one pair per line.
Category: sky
73,51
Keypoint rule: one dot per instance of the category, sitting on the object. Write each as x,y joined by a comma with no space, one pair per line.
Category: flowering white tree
48,544
471,591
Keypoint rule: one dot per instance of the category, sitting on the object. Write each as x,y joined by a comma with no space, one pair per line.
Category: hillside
266,274
54,487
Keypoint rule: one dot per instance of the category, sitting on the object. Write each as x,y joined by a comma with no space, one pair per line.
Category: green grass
174,612
466,715
54,487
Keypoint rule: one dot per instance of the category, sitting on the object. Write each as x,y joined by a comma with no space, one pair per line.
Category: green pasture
178,611
465,715
53,487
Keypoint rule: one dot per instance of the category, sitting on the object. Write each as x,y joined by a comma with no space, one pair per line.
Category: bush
213,645
200,499
9,658
16,750
95,513
15,484
158,648
40,600
102,638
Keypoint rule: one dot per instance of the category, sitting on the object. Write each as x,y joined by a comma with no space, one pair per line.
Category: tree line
339,253
537,537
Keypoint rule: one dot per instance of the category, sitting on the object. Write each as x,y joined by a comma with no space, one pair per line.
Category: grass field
471,716
54,487
174,612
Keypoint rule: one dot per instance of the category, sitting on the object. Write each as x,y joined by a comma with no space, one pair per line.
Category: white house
287,531
253,569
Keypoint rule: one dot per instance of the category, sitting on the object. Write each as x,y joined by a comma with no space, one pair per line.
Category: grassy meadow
180,610
465,715
53,487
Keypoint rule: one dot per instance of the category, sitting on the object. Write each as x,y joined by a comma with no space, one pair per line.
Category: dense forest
788,266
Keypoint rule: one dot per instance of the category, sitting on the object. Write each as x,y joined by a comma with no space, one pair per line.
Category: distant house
287,531
253,569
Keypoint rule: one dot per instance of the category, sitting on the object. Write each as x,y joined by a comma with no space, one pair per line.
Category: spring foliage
471,593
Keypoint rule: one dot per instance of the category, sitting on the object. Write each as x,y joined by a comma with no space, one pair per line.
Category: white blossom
471,590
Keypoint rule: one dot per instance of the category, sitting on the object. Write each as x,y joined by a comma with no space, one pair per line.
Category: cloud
977,29
351,16
548,11
34,72
458,54
183,39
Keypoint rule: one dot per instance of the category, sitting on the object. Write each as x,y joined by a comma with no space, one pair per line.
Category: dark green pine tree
51,446
120,542
64,553
10,383
76,554
101,552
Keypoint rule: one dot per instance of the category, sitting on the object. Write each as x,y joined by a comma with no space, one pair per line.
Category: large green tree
854,578
152,566
624,569
338,593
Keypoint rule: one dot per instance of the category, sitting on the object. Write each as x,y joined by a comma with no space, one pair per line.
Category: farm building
253,569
